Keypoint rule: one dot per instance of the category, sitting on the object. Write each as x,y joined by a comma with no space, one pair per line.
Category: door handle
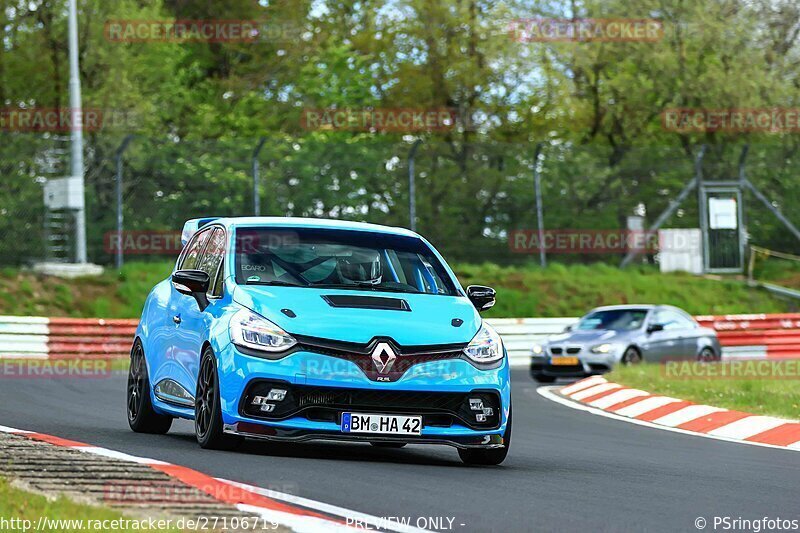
177,319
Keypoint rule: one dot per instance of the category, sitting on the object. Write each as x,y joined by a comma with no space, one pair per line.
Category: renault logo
383,356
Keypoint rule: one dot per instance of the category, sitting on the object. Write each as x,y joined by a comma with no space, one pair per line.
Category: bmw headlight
486,346
602,348
537,349
255,332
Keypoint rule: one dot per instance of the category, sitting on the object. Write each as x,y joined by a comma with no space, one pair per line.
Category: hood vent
366,302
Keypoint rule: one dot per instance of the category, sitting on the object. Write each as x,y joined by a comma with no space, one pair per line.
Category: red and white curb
599,396
299,514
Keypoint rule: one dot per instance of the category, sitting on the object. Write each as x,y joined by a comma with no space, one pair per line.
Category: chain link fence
469,196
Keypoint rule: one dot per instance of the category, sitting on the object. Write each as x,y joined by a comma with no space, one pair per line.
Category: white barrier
23,336
30,337
520,334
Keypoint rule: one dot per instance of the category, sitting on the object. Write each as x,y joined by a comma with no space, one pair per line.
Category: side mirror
482,298
567,329
193,283
652,328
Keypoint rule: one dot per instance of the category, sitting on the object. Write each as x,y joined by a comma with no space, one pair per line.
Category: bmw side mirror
652,328
482,298
193,283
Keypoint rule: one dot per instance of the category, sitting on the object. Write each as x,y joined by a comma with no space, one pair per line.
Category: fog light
276,395
480,417
476,404
258,400
488,411
268,407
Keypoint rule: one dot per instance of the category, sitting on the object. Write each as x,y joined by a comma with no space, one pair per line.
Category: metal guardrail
742,336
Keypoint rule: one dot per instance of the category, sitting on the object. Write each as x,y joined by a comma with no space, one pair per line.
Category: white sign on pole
63,193
722,213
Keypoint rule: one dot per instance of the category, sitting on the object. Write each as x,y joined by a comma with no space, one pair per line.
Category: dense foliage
198,110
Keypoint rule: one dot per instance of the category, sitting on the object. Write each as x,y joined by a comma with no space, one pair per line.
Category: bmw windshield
334,258
614,320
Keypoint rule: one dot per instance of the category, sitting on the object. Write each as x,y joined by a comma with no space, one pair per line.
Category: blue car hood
428,322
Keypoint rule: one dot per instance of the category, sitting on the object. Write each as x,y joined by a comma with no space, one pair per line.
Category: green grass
557,290
560,290
112,295
22,505
754,388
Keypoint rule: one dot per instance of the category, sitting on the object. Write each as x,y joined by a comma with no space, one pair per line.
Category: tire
142,418
632,356
388,444
491,457
541,378
708,355
208,410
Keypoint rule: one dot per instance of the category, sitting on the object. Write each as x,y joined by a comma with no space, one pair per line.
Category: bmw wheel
142,418
632,356
490,457
208,410
707,355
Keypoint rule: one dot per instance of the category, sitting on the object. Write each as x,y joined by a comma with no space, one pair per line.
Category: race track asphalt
568,470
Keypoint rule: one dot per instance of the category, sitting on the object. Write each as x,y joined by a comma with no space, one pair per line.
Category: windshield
333,258
615,320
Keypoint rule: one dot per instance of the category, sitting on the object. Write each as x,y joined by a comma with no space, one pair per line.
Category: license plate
381,424
564,361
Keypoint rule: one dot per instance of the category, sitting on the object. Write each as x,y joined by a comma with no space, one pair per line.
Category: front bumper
308,371
588,365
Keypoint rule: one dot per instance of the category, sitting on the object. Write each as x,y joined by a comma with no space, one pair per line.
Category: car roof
301,222
644,307
621,307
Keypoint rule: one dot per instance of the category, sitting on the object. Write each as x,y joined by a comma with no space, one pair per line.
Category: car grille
327,404
361,354
571,350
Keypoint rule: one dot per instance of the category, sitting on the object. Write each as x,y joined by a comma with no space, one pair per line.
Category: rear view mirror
655,327
482,297
193,283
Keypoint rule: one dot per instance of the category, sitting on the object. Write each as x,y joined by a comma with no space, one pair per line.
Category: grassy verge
20,505
557,290
759,387
560,290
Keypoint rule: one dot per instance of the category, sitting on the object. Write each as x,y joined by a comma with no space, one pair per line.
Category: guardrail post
257,178
118,160
412,193
537,182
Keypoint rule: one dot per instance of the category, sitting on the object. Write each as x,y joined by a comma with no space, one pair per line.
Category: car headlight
486,346
537,349
255,332
601,348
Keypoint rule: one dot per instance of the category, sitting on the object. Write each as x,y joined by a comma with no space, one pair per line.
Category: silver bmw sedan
625,334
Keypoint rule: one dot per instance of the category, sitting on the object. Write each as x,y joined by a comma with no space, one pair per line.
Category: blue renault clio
299,329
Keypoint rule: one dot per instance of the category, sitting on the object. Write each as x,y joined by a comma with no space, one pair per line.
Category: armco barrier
742,336
65,338
766,336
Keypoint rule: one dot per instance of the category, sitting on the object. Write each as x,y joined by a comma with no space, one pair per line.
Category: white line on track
383,522
550,394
